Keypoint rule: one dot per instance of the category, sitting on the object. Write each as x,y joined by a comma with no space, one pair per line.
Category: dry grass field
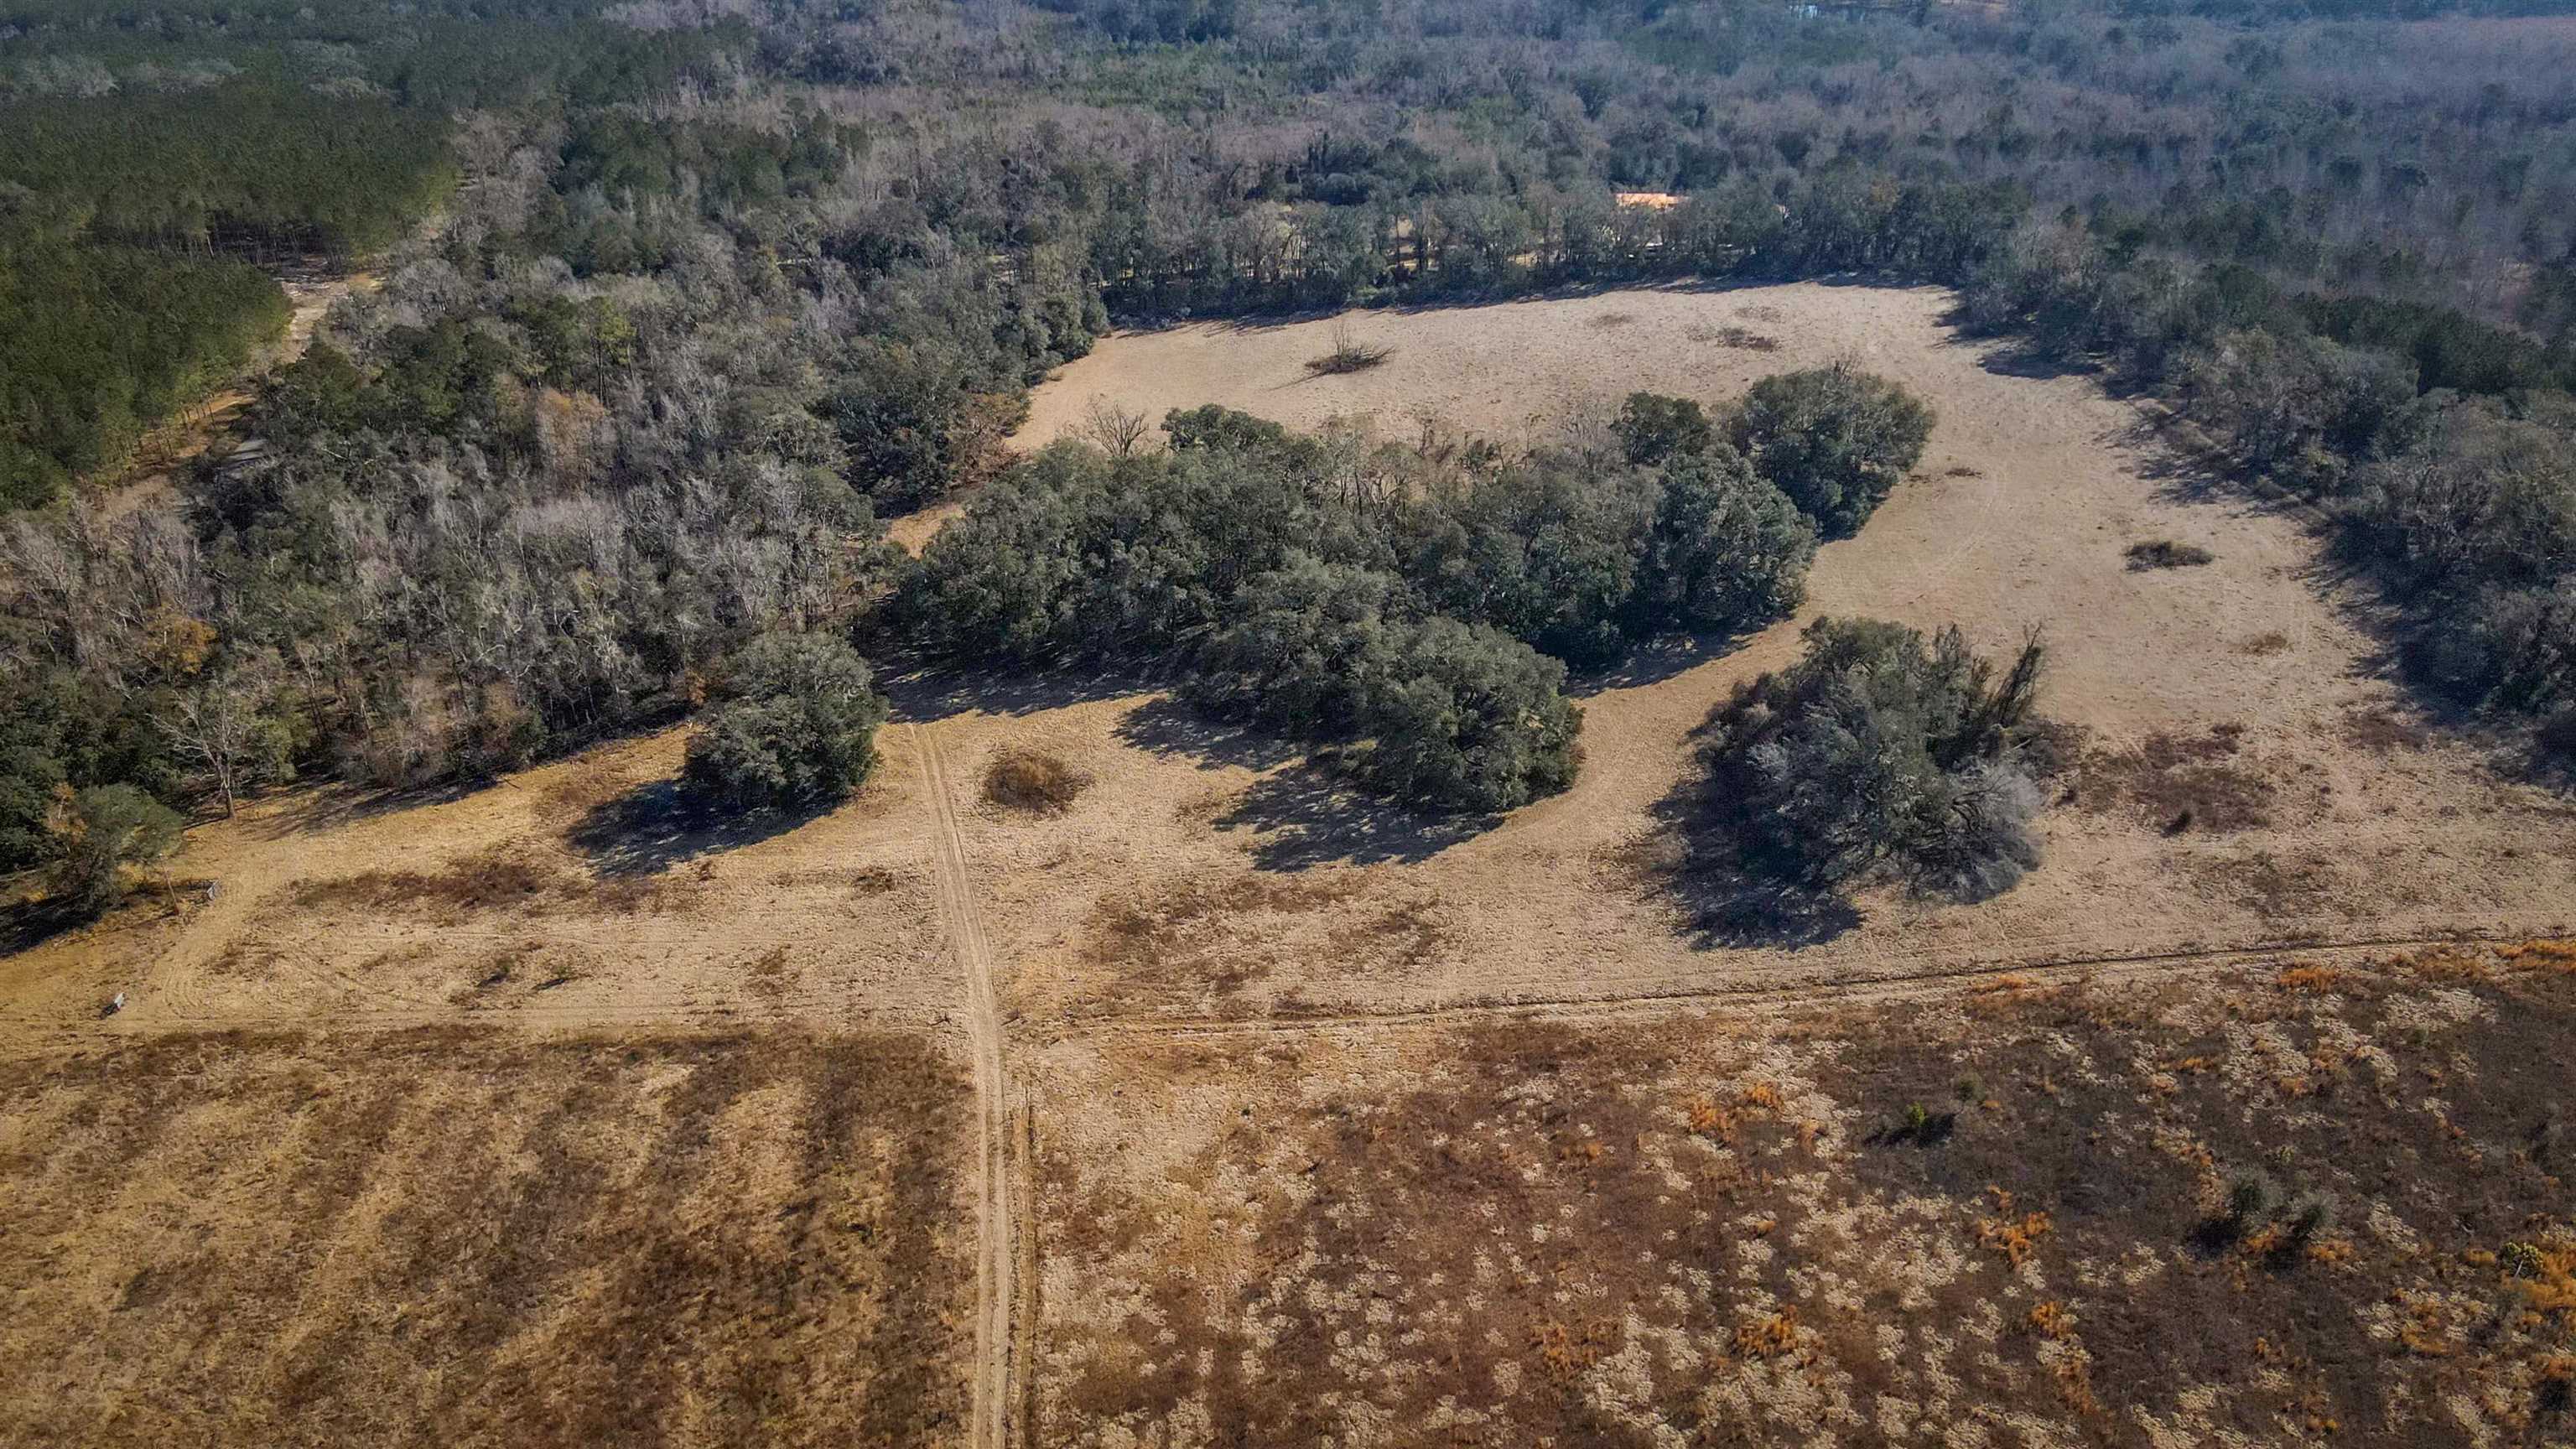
1098,1076
447,1237
1998,1216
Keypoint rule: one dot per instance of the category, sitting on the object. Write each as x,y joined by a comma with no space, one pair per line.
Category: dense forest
683,296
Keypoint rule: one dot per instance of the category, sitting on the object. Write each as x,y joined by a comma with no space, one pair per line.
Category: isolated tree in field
1834,439
800,728
1882,753
1117,431
1727,551
97,834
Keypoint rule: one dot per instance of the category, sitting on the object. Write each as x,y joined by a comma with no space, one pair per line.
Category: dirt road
996,1219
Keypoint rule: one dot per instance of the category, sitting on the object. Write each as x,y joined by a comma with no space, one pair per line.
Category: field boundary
1897,986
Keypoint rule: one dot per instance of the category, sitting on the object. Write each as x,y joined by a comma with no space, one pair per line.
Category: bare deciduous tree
218,726
1119,432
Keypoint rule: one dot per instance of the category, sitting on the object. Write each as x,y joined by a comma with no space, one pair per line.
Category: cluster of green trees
244,168
1882,754
98,342
1418,610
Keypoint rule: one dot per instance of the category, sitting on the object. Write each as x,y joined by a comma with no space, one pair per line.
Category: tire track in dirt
996,1221
1900,986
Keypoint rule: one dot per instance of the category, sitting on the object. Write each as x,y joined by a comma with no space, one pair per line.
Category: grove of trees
1416,609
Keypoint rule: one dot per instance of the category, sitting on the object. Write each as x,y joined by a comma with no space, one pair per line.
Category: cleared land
588,1087
1208,873
446,1237
1997,1216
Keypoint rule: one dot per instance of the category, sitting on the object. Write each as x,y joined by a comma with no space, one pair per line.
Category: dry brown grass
1214,939
1577,1231
1032,782
452,1238
2198,783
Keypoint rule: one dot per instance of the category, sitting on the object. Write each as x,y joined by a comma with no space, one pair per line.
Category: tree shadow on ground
656,826
923,691
1656,660
1695,859
1173,729
1307,814
335,805
25,925
2185,469
1302,812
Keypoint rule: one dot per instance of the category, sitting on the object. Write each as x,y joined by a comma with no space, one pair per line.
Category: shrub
1727,551
1349,354
2251,1198
97,834
2308,1215
1881,752
1834,439
1032,783
2166,553
800,728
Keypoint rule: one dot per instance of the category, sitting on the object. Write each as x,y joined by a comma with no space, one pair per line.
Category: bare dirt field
575,1088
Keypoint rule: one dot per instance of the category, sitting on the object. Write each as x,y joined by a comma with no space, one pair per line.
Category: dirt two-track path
996,1218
